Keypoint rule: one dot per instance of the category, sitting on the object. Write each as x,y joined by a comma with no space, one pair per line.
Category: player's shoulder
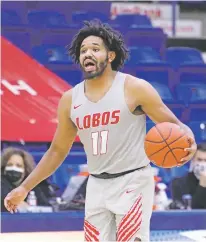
67,95
134,83
66,100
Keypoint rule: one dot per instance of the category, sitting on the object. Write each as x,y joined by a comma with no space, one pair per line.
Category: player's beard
100,68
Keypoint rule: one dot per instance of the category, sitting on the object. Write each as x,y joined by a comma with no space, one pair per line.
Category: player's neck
101,81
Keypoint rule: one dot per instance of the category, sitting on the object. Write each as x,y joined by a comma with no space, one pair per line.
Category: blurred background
167,43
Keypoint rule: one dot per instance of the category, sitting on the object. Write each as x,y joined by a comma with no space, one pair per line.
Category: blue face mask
13,173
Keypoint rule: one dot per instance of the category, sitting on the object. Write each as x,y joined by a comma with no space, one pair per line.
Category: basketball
165,143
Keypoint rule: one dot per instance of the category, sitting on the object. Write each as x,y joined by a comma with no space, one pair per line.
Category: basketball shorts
119,209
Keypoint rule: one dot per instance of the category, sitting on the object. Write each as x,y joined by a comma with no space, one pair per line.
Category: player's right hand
14,198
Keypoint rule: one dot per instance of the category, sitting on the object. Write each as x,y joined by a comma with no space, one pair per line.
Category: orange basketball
165,144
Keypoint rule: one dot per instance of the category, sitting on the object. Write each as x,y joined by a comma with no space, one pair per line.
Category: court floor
42,237
158,235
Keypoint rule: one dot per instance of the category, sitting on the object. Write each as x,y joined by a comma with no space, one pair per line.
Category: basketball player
107,110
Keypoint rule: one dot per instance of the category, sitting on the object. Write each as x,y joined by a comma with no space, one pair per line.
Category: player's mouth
89,65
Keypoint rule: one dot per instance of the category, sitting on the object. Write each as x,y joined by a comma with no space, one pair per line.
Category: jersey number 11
100,139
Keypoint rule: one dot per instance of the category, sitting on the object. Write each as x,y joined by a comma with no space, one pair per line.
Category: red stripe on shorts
131,222
90,231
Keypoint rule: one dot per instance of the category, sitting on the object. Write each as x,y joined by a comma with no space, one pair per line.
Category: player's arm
151,103
55,155
60,146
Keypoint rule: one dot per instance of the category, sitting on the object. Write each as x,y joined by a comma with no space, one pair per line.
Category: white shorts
119,209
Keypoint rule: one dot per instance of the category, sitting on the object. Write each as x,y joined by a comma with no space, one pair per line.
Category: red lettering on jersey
115,117
105,118
78,125
87,121
96,119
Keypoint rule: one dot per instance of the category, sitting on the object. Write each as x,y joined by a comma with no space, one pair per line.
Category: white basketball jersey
112,136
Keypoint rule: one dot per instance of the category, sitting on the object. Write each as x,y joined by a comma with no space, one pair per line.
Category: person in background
16,165
193,184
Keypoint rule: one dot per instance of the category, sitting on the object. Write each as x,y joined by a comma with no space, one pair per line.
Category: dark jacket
43,192
189,184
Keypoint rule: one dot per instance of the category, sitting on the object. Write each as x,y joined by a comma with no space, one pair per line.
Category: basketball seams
167,145
165,158
180,148
161,136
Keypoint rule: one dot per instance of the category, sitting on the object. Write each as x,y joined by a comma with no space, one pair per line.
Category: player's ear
111,56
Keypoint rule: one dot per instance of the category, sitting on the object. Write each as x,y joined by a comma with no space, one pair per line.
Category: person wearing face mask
194,183
16,165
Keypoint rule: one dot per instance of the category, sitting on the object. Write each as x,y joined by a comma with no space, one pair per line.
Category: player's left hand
192,150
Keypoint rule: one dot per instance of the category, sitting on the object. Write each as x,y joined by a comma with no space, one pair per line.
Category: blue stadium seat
62,175
10,18
192,74
199,130
41,19
53,54
80,16
188,63
154,72
61,39
141,37
179,56
21,39
191,93
144,54
163,91
134,20
198,114
73,77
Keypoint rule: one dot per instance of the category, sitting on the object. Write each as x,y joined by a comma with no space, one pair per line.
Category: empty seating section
132,21
184,56
81,16
10,17
177,73
51,54
46,19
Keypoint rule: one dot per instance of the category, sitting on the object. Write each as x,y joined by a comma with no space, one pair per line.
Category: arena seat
141,37
10,18
192,74
198,115
20,39
164,92
80,16
199,129
135,20
62,175
51,54
41,19
144,54
191,93
179,56
155,72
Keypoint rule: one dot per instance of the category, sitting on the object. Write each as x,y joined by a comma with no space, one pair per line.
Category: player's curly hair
112,39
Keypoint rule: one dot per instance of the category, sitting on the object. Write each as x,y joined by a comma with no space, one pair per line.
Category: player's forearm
47,165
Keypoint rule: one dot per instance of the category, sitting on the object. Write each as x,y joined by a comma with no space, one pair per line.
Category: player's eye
83,51
95,50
